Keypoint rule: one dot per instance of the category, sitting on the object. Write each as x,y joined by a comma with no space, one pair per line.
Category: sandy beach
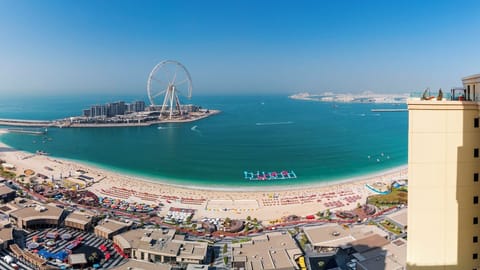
264,203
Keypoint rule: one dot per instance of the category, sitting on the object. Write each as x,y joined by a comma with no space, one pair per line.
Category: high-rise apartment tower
443,173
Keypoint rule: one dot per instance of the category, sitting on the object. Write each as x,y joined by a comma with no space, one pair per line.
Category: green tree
225,248
249,218
227,221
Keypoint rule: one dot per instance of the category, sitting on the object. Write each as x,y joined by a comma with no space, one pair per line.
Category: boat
266,176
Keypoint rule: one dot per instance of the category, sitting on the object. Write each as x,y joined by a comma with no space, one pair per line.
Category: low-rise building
400,219
37,216
270,251
162,246
108,228
141,265
391,256
79,220
6,194
77,260
361,247
194,266
335,236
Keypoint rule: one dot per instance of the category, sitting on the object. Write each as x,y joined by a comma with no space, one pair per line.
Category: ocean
320,142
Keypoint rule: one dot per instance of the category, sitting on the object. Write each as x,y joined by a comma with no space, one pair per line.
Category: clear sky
238,46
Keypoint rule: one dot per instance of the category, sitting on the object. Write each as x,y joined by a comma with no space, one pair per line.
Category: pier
26,123
389,110
28,131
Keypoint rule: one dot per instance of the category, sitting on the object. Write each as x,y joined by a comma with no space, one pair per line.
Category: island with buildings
118,114
136,113
366,97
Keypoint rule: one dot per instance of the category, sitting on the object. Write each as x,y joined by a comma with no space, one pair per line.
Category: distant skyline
231,47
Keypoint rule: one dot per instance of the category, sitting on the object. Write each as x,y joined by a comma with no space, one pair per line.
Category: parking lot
88,239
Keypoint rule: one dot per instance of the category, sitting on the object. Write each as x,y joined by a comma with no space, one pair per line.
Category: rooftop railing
455,94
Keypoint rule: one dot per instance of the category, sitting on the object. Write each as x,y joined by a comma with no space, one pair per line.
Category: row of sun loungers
334,204
192,201
347,196
127,193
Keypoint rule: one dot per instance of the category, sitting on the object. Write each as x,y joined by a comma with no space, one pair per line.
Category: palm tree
93,257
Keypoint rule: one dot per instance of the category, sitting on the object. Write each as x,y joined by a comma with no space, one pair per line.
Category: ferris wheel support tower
169,100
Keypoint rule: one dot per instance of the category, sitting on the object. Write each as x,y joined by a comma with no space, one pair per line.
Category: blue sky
238,46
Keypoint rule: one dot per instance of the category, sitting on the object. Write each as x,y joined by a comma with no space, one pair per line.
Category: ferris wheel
166,81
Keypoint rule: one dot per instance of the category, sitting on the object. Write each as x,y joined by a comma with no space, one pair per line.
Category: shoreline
268,203
317,183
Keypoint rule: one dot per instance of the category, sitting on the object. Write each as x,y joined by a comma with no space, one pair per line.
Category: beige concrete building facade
444,188
6,237
79,220
37,216
6,194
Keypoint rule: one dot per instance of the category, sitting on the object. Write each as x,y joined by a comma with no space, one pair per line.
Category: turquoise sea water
319,141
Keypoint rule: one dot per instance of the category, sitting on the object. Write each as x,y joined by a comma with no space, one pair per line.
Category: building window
476,122
475,239
475,177
475,220
475,200
475,152
475,256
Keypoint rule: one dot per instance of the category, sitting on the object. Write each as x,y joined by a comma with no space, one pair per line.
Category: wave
274,123
166,127
195,129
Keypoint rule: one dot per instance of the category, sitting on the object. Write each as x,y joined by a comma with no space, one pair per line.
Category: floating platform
266,176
